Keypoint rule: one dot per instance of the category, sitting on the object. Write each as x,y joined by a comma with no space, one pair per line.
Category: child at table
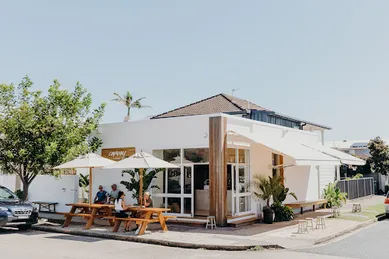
120,209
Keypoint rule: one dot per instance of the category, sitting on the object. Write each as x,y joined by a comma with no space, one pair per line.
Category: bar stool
320,222
357,207
211,222
309,223
302,227
335,212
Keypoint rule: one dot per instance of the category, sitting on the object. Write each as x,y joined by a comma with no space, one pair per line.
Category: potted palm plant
263,189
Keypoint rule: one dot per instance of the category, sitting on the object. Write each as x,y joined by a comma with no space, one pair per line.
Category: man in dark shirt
101,196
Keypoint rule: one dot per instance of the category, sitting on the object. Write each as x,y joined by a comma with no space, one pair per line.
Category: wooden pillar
218,169
282,168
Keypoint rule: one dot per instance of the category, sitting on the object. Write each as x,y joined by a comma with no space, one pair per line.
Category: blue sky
323,61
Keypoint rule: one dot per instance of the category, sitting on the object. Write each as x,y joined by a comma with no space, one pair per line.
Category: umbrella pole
90,185
140,187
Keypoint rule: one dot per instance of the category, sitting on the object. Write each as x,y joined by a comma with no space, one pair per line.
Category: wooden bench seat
302,204
77,214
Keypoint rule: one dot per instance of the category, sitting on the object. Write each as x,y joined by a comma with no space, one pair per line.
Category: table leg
162,221
144,224
302,210
91,218
313,207
108,212
69,217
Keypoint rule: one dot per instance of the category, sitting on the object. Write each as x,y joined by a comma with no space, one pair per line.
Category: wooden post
90,185
282,168
218,169
140,187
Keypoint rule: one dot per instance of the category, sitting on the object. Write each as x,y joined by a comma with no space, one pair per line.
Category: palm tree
128,101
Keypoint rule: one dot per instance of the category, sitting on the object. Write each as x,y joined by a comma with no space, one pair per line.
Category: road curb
347,231
156,242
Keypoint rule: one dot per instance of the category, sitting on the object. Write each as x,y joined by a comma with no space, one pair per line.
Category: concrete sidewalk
221,239
277,235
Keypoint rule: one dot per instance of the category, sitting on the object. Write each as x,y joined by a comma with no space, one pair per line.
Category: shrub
334,196
282,213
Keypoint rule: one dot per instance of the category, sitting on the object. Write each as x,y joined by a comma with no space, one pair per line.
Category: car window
6,194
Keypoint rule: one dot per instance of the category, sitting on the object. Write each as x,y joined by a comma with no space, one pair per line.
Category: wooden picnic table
89,211
146,219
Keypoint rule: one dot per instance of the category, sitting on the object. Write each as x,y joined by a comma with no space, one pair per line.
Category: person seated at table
147,203
101,196
114,194
120,210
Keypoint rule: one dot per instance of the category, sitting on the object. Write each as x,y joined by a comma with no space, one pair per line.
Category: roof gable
221,103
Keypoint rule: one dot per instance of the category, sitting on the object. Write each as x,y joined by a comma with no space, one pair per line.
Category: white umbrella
90,161
141,161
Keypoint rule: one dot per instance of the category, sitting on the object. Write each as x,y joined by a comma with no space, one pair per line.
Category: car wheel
24,227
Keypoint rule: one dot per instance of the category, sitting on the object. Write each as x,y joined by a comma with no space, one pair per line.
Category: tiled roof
221,103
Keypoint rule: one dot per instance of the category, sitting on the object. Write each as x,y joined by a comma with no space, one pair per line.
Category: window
196,155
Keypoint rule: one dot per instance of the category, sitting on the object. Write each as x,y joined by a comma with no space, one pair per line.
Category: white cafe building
220,143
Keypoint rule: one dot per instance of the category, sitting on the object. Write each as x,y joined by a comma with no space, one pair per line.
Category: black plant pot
268,215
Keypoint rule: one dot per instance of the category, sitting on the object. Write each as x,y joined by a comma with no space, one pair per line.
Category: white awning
344,158
301,154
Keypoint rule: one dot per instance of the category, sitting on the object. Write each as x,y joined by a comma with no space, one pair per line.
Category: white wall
48,188
8,181
149,135
146,135
327,175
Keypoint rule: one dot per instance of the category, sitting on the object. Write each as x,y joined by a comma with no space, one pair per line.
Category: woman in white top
121,208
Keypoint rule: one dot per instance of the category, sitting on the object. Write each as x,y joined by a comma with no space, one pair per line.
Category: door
241,196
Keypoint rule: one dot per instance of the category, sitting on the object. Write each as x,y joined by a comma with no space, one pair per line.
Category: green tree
128,101
379,152
40,131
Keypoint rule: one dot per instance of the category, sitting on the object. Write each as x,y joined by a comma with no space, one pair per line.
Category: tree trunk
128,113
25,190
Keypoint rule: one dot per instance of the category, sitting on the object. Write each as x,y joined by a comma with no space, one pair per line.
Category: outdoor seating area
141,215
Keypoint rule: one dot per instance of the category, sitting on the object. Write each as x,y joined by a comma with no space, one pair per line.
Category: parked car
14,212
387,205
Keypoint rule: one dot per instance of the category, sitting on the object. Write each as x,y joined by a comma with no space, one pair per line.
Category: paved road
371,242
40,245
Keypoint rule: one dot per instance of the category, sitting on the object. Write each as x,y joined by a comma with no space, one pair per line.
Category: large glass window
172,155
196,155
174,180
231,155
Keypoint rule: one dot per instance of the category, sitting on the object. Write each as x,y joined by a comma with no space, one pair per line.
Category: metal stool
357,207
309,223
302,227
211,222
320,222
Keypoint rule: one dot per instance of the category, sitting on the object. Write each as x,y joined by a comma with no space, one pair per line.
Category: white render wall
8,181
51,189
149,135
302,180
